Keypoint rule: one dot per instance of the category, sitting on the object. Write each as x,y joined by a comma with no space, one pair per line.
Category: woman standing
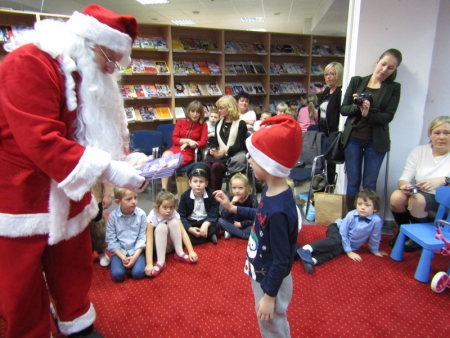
366,134
189,133
249,116
229,139
329,105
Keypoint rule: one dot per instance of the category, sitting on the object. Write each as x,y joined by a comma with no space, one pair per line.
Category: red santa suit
45,181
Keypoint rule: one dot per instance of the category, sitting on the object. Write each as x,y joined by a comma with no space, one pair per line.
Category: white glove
122,174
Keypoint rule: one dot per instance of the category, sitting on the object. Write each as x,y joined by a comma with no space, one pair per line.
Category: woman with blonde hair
229,139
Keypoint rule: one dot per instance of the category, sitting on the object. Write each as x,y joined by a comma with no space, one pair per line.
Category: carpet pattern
377,297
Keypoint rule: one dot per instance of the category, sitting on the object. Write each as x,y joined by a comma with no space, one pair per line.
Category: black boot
88,332
350,201
410,245
399,218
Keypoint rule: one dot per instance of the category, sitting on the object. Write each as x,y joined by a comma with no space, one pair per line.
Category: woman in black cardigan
330,106
366,134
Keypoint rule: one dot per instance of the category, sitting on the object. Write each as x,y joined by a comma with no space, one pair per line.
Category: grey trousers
278,327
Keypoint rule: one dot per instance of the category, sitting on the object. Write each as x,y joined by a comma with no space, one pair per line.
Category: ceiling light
153,2
254,19
184,22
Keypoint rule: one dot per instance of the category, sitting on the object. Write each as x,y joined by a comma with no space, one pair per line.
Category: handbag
335,148
329,206
237,163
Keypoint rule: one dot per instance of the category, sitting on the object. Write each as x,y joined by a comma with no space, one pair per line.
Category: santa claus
62,128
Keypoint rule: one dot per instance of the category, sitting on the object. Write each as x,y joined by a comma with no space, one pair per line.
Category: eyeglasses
194,112
221,108
110,64
329,74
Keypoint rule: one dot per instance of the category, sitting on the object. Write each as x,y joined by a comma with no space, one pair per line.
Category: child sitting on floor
125,235
348,234
169,231
233,224
257,125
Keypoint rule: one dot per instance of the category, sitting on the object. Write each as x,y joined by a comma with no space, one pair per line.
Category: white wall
412,27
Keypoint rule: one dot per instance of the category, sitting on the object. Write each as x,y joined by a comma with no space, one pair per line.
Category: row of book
248,87
316,87
196,67
145,91
142,66
287,68
286,88
244,47
291,48
151,42
326,50
244,67
7,32
149,113
182,44
195,89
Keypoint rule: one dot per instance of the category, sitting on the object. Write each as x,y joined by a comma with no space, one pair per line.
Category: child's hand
222,198
194,231
381,253
354,256
266,307
149,269
237,224
125,260
204,230
131,261
193,256
234,200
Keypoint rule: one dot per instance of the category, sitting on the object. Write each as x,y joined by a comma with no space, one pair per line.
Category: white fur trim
88,170
90,28
78,324
272,167
24,225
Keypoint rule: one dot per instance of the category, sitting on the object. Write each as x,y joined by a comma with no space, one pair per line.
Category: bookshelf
176,53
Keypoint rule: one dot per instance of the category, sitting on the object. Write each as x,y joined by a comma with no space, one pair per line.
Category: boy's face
260,173
364,208
198,185
128,202
213,117
264,117
303,101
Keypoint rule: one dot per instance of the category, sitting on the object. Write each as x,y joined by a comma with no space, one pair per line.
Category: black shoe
214,239
88,332
411,246
308,267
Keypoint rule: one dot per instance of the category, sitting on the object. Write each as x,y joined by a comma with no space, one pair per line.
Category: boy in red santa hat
62,127
273,239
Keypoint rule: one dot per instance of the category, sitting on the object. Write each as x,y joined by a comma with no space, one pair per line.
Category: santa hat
105,28
276,147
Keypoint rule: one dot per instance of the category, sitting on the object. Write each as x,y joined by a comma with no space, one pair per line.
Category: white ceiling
321,17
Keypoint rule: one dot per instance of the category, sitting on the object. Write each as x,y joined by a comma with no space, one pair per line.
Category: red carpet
377,297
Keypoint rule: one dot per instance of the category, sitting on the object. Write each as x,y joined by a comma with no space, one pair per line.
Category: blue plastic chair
145,141
167,131
424,235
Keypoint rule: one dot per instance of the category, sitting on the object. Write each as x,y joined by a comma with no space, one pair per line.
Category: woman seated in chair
229,139
429,167
189,133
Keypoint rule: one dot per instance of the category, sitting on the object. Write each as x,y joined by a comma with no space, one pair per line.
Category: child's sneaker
227,235
104,259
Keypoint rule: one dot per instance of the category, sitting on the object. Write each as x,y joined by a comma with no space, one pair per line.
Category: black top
333,109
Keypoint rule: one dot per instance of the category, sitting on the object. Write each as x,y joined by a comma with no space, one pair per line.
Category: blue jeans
355,152
118,271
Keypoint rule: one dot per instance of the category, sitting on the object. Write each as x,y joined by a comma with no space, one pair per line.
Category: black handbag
335,148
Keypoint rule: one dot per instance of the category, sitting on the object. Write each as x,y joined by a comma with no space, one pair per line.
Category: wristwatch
447,181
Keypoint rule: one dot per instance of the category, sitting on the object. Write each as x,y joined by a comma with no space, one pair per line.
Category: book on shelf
283,88
229,89
316,51
327,50
258,87
130,114
160,167
162,89
176,44
287,49
246,47
140,92
273,70
248,67
228,47
213,46
203,67
159,43
316,87
194,89
290,68
259,68
163,112
300,68
178,68
180,113
211,107
259,47
316,68
147,43
132,91
197,44
272,107
276,49
236,46
290,88
273,88
203,88
188,44
122,92
180,89
150,90
299,87
213,88
147,113
162,67
248,88
126,71
189,66
257,107
237,88
136,44
229,69
279,68
340,50
148,66
239,68
126,92
136,66
214,68
4,33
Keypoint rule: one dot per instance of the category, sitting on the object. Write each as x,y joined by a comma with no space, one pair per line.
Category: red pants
24,296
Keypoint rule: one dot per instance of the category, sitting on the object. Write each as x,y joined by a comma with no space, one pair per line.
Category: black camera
364,96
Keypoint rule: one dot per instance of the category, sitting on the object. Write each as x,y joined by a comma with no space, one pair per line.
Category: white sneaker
104,259
227,235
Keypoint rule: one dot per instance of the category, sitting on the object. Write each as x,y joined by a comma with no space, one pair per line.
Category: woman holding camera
370,104
429,167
